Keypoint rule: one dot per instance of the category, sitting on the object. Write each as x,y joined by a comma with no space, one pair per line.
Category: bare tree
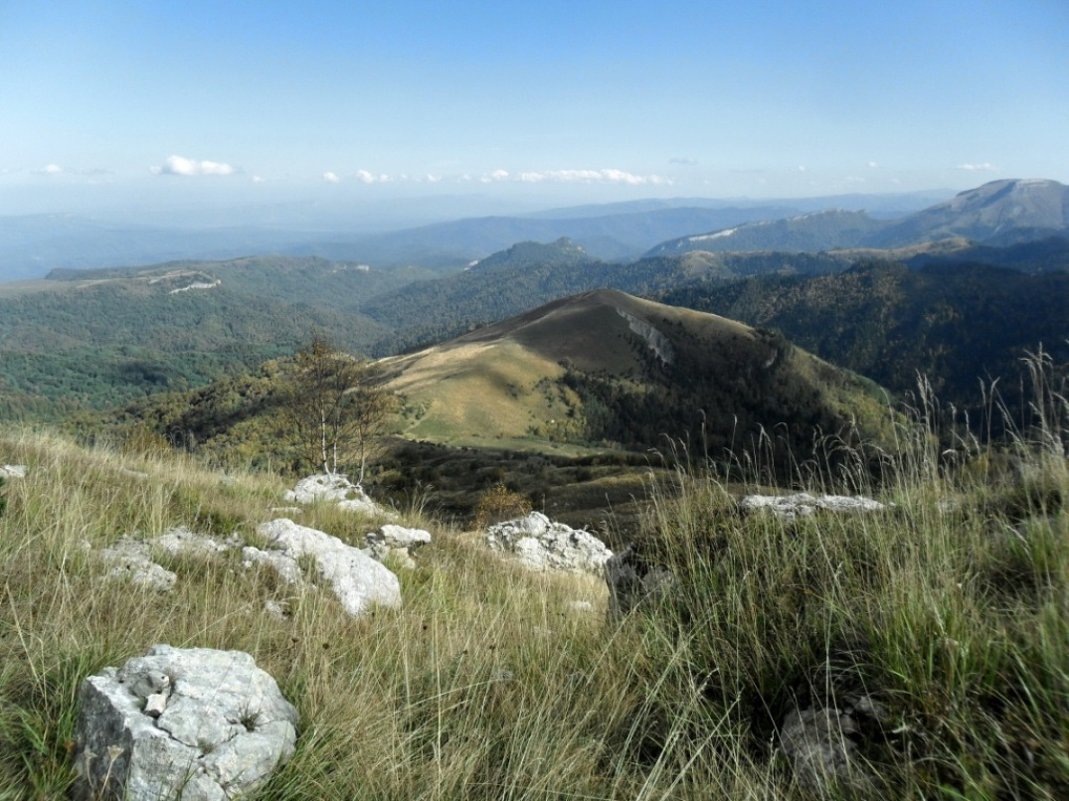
337,410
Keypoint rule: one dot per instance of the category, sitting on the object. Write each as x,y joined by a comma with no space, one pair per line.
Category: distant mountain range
100,337
998,213
32,245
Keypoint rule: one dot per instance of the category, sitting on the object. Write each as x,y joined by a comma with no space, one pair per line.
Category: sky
128,104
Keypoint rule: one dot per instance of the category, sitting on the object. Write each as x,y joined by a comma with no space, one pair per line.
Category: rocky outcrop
356,576
633,580
335,488
181,541
802,504
539,544
397,543
358,581
131,560
655,340
188,724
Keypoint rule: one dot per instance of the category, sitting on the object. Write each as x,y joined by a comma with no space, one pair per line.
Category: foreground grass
952,619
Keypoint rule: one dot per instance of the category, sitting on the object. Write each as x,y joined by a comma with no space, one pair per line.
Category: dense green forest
101,338
956,324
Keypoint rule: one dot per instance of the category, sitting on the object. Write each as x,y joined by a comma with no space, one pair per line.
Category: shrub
500,503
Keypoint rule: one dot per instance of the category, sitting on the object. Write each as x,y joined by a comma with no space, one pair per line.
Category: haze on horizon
122,107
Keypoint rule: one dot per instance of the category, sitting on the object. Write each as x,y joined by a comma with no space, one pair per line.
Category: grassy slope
488,686
504,382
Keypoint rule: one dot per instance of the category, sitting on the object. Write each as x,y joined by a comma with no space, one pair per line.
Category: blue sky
144,102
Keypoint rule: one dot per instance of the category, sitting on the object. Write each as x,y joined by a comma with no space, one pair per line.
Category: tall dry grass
950,611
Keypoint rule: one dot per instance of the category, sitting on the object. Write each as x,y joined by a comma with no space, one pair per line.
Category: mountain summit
997,213
607,367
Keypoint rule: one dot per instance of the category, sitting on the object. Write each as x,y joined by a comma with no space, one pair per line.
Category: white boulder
334,488
357,580
540,544
189,724
13,471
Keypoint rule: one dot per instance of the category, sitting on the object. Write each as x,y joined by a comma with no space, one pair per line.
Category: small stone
286,510
819,746
279,610
13,471
400,537
155,704
633,580
149,683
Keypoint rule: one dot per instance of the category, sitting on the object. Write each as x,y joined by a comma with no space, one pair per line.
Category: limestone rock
13,471
396,542
400,537
539,544
633,580
181,541
223,727
132,560
802,504
357,580
286,566
335,488
323,487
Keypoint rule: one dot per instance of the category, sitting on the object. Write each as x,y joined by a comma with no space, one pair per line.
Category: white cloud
683,161
331,178
801,168
256,179
431,178
366,177
984,167
874,165
179,165
607,176
52,169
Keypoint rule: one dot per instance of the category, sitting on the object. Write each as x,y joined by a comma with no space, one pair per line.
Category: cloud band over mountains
582,176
